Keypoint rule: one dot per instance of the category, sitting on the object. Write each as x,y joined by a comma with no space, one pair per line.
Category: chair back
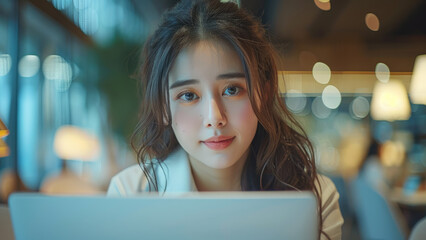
376,216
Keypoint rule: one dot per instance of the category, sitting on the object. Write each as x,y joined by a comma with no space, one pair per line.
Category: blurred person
212,118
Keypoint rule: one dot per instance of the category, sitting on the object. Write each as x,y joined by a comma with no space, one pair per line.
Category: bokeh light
29,66
382,72
319,109
331,97
73,143
321,73
372,22
418,81
392,153
360,107
390,101
295,101
59,71
324,5
5,64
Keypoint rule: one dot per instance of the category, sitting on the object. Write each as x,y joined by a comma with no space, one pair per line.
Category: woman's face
211,113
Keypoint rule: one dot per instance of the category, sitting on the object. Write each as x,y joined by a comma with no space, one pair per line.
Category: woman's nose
215,117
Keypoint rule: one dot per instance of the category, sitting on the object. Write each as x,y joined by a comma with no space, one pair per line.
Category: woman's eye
188,96
232,91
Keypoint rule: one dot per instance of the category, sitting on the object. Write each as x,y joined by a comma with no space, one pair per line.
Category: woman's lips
219,142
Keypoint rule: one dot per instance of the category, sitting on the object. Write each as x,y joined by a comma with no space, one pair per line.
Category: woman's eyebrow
181,83
231,75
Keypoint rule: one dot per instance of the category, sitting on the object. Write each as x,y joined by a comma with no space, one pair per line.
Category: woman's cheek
184,121
244,114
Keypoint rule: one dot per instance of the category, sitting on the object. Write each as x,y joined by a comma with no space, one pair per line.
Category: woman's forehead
205,59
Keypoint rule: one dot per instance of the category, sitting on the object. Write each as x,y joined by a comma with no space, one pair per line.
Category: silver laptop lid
213,215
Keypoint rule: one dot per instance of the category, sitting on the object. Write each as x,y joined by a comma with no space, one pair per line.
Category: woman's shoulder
132,180
325,183
331,215
130,173
127,182
327,189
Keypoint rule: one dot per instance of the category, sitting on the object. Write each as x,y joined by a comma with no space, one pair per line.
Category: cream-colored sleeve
128,182
331,215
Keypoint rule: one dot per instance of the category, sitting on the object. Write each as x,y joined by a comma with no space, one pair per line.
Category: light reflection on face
211,113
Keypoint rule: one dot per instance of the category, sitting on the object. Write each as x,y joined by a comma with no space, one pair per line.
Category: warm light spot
323,5
321,72
382,72
319,110
390,102
360,107
295,101
331,97
28,66
73,143
418,81
372,22
3,129
5,64
4,132
392,153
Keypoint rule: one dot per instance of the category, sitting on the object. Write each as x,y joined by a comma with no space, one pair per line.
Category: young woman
212,118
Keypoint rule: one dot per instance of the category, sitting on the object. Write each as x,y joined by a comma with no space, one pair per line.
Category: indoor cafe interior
352,72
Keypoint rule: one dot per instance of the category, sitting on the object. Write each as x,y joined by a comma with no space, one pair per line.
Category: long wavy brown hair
281,156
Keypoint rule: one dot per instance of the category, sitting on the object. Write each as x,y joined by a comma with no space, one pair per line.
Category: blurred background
352,71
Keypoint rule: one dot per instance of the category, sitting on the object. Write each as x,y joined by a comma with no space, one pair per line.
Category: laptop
212,215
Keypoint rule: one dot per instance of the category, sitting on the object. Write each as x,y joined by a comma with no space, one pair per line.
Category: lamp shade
4,149
73,143
3,129
390,102
418,81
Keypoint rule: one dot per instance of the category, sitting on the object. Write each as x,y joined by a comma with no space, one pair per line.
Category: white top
177,171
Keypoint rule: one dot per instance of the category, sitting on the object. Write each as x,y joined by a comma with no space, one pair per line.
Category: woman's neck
211,179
